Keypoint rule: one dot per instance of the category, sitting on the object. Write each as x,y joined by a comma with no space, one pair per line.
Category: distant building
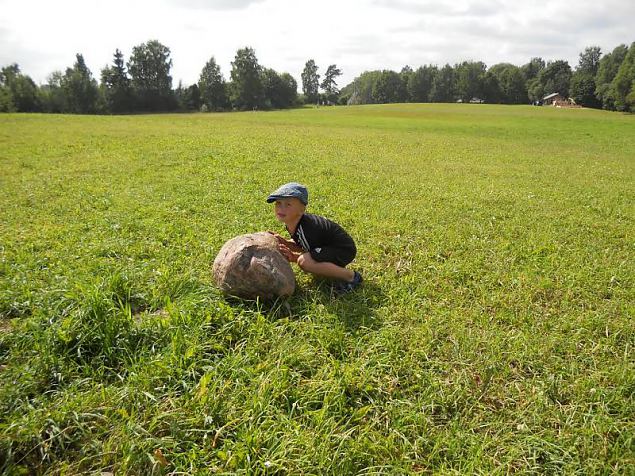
552,98
557,100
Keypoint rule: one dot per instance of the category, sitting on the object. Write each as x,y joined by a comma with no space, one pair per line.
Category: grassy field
494,332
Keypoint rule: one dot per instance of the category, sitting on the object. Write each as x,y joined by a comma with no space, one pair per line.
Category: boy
318,245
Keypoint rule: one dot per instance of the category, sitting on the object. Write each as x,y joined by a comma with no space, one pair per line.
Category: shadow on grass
356,310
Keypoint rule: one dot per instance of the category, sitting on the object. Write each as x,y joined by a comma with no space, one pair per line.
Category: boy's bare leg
327,270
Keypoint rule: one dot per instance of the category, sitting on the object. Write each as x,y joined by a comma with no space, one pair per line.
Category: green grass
494,332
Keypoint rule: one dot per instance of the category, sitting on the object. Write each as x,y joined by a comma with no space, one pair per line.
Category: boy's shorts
331,254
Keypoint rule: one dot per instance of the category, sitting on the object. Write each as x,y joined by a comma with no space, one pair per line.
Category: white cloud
212,4
357,35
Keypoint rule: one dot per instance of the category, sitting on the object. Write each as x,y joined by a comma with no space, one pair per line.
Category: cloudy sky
357,35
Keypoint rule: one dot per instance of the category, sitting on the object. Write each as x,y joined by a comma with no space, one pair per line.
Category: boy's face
289,210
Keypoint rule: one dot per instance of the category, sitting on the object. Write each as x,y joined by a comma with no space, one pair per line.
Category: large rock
250,266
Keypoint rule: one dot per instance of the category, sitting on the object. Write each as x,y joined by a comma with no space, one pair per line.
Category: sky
356,35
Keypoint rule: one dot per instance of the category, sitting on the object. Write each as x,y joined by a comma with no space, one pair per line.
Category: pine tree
116,86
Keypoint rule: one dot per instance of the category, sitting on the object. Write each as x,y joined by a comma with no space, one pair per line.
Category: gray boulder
250,266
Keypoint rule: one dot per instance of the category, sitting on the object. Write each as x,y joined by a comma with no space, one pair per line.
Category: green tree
589,61
289,91
511,83
281,90
389,88
607,70
360,91
188,98
7,78
311,82
6,100
246,91
535,90
555,78
630,98
52,95
405,74
623,85
533,68
271,83
193,102
25,94
491,89
116,86
80,89
419,84
443,89
582,88
18,91
329,84
469,79
149,69
212,87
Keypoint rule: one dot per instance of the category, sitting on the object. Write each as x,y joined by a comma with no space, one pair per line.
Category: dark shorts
331,254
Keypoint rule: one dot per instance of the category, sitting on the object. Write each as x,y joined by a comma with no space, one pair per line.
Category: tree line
598,81
143,84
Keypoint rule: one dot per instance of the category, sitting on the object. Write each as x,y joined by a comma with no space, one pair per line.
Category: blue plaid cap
288,190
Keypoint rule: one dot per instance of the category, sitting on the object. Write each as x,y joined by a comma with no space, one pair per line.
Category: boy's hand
288,248
287,253
278,237
283,241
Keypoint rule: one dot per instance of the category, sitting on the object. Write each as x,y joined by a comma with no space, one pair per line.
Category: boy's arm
293,246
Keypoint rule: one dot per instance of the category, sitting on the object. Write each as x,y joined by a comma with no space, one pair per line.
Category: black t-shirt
314,231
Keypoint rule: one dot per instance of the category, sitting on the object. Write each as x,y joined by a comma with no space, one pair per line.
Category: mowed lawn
494,332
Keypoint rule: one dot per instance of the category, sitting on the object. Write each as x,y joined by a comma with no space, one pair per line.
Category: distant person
319,246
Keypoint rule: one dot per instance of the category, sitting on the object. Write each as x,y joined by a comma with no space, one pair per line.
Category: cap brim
273,198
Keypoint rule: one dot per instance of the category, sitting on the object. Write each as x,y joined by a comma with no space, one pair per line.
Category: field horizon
493,333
